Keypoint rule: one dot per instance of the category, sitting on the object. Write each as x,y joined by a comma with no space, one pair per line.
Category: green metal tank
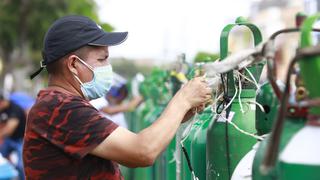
156,94
298,153
226,146
291,127
185,171
169,159
265,115
305,163
146,120
198,145
270,104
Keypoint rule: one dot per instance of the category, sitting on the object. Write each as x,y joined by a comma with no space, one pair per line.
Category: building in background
273,15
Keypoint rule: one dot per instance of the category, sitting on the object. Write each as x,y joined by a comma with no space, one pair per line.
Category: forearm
111,110
143,148
8,128
157,136
2,133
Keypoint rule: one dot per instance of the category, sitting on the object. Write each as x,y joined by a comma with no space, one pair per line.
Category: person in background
113,105
22,99
12,125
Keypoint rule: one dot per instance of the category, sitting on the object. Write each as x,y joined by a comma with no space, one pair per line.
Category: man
12,125
66,137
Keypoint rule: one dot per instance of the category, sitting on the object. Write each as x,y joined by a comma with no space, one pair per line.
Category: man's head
72,64
117,94
73,47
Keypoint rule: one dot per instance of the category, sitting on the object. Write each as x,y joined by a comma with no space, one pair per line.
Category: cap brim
110,39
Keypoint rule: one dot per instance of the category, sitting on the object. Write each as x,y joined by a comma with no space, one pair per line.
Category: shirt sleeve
76,128
16,111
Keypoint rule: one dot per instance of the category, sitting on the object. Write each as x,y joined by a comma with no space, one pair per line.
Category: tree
24,23
205,57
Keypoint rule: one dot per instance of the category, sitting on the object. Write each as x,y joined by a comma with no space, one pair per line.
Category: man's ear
72,64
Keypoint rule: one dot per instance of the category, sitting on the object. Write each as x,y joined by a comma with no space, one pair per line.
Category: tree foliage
205,57
129,68
24,23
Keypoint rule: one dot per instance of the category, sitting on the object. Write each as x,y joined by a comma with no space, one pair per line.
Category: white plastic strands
252,81
242,131
258,104
252,77
240,90
187,130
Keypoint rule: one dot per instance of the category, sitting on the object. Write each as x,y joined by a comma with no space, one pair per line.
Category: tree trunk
6,66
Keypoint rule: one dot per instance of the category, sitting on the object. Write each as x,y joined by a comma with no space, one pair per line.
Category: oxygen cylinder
226,145
300,158
270,105
157,94
147,172
198,145
266,110
304,163
291,126
185,171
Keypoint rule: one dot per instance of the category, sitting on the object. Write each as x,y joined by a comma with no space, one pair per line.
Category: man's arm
9,127
123,107
136,150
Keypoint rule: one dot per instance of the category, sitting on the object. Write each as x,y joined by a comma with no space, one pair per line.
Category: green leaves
25,22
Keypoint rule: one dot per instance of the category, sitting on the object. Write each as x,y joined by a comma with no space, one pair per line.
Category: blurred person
66,137
113,104
23,99
12,125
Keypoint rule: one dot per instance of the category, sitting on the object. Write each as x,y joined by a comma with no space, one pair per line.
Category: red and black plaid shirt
61,131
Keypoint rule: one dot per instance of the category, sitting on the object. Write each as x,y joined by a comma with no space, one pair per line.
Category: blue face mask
100,84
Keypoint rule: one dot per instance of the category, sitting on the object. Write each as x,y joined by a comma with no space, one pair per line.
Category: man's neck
63,86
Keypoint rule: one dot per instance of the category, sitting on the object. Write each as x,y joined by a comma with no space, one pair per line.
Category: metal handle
224,45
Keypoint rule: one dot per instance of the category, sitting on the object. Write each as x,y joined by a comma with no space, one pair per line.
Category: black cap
70,33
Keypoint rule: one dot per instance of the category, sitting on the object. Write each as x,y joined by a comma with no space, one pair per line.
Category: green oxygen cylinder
267,113
226,145
297,154
185,171
156,93
300,158
143,111
169,157
147,172
291,126
188,133
198,145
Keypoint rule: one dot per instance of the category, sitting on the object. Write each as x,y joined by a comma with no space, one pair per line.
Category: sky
160,30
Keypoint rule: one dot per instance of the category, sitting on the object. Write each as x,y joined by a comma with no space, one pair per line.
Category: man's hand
135,101
194,93
192,112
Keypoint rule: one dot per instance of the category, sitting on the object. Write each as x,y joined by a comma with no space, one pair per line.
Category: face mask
100,84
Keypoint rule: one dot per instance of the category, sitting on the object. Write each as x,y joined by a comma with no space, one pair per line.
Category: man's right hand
194,93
